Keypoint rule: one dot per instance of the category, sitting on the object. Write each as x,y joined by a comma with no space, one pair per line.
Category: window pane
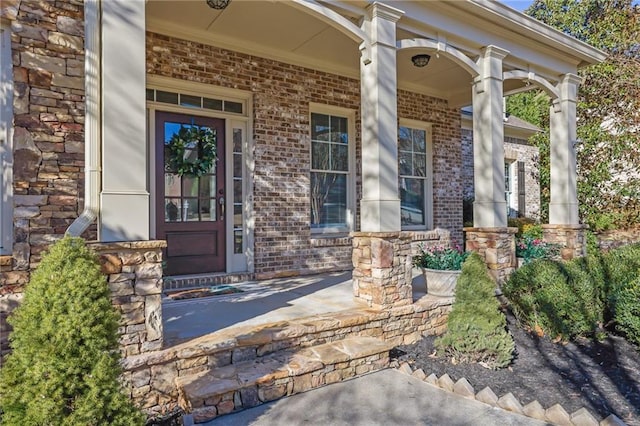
419,164
237,140
237,190
189,186
328,200
215,104
190,101
207,186
419,140
208,209
237,241
171,185
237,165
404,139
339,130
404,163
319,156
150,94
190,210
172,210
166,97
233,107
339,158
319,127
237,215
412,201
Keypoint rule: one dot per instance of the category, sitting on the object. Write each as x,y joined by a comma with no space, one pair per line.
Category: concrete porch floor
263,302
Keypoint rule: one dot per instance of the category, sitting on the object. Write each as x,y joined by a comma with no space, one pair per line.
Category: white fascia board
535,30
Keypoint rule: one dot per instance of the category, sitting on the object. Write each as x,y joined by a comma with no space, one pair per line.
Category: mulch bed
603,377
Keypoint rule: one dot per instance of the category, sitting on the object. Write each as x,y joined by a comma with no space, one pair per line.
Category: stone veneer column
382,268
134,274
380,204
497,246
571,239
124,200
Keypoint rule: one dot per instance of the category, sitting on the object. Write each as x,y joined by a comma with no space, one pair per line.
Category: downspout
92,126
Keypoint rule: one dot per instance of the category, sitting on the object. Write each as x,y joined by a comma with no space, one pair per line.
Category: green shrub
564,300
64,365
626,302
476,328
523,224
623,266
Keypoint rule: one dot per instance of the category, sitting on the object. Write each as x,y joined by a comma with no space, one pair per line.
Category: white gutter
92,134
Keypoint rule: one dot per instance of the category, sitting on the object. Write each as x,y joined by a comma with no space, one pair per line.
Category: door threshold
182,282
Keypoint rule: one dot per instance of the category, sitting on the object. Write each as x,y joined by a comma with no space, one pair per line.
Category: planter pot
441,283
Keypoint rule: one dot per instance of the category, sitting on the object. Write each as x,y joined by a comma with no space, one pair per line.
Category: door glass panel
189,198
208,209
208,186
237,165
237,215
171,185
237,190
237,241
189,186
172,210
190,210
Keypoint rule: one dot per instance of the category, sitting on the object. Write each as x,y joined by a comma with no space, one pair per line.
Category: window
508,188
331,181
414,171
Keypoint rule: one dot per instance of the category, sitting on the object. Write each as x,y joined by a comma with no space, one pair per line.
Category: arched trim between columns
443,48
542,83
331,18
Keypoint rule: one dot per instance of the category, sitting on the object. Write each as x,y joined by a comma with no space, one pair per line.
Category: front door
190,205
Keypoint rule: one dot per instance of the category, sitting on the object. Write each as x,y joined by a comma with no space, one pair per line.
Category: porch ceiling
279,31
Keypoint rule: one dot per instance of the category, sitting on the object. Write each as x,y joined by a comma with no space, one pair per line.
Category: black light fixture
420,60
218,4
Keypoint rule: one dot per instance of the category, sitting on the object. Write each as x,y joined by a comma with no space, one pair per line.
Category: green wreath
205,148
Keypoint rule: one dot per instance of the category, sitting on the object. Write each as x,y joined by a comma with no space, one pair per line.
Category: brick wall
281,97
515,150
447,156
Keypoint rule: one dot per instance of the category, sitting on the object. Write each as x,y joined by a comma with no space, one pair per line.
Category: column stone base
382,268
571,239
497,247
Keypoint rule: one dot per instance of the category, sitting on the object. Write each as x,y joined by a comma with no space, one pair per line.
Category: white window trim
428,187
512,202
6,140
350,115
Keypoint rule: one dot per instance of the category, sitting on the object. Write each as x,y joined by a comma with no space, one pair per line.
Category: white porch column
380,205
124,198
563,208
489,207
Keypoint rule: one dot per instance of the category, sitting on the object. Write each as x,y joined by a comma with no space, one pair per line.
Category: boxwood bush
476,328
577,298
559,298
64,365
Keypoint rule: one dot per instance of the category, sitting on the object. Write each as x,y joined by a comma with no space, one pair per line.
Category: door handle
221,202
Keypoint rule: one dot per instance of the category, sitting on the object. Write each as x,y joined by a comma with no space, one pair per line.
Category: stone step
238,386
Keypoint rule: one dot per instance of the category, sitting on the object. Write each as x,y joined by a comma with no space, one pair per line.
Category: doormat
216,290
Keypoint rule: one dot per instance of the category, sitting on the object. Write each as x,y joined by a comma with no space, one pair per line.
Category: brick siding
282,93
515,150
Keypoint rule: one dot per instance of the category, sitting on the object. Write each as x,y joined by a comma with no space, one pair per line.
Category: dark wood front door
189,209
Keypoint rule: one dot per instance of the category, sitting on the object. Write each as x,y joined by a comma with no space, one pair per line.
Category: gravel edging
603,377
555,414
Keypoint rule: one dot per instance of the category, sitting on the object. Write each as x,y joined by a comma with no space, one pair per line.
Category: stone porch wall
134,276
150,376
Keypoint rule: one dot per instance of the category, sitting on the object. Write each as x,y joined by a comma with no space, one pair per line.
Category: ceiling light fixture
420,60
218,4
